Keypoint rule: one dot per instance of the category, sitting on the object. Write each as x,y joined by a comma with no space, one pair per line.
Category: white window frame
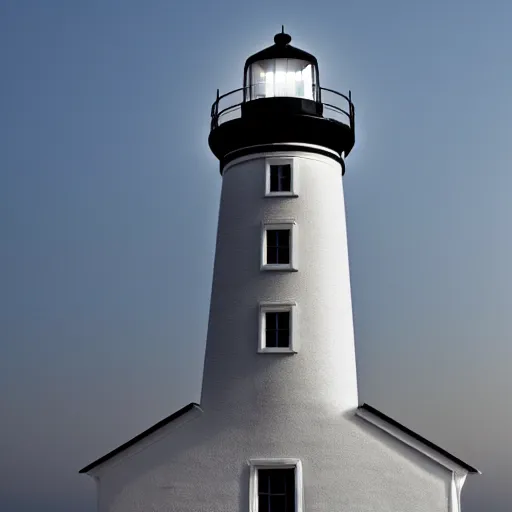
293,192
291,225
257,464
278,307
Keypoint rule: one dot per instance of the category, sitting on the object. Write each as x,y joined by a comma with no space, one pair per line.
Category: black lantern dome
280,107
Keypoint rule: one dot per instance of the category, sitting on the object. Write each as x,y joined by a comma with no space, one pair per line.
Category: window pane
278,503
283,255
263,478
283,338
283,319
285,179
290,480
272,238
278,482
274,178
263,505
271,339
290,490
271,330
283,237
271,321
272,255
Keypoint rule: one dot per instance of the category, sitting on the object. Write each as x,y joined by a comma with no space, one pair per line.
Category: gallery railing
228,106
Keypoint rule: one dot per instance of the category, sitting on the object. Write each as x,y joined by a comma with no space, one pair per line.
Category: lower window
277,326
275,485
277,329
276,490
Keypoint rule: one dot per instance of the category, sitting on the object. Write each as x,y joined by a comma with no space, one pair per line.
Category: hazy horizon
110,198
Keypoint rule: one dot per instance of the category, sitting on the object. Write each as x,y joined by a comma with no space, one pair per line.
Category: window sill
277,350
281,194
276,267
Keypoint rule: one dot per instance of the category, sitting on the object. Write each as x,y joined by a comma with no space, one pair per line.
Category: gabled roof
425,442
136,439
365,407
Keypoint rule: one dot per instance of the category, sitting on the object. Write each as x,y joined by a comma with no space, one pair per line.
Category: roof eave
397,427
139,437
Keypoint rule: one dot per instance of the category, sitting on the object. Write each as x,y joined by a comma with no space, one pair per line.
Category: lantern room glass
281,77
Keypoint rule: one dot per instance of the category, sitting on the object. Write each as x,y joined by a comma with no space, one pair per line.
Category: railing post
215,113
352,113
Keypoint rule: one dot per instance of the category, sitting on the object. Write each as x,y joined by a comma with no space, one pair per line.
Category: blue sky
109,199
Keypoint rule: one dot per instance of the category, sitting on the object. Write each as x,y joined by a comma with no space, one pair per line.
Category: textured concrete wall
201,465
276,405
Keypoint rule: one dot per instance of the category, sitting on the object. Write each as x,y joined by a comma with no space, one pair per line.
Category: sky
109,198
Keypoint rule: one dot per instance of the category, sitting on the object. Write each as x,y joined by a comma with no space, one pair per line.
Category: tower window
276,485
280,177
277,326
276,490
277,329
278,246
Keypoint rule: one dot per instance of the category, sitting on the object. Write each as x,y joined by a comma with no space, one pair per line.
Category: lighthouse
280,333
279,427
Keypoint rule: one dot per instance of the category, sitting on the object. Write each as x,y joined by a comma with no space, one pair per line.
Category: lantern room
281,106
281,70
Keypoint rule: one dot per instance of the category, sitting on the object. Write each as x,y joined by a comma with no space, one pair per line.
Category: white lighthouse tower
279,428
280,336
